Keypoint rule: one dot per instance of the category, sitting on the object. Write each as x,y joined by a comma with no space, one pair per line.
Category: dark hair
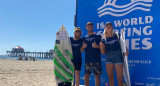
89,23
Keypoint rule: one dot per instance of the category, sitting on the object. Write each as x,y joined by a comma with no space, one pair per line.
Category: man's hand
84,45
94,45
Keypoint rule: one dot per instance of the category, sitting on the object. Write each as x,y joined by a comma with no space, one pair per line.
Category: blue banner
141,20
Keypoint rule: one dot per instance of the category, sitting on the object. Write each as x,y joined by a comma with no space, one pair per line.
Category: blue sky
33,24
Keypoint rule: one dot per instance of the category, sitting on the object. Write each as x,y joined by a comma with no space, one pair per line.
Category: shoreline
16,58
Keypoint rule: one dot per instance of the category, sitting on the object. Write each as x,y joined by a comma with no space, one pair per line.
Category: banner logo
110,7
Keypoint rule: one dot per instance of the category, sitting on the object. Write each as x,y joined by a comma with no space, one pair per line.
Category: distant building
17,49
51,51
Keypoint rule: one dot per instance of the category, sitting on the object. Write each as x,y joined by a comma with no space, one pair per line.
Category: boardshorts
96,67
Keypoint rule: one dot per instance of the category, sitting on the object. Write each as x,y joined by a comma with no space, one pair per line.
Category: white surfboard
63,66
125,66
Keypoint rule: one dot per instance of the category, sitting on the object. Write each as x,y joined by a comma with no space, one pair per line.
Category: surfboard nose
62,28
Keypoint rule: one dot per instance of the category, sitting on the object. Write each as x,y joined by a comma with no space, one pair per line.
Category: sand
26,73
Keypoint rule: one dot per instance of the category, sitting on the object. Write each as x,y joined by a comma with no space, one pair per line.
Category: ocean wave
122,14
125,9
124,6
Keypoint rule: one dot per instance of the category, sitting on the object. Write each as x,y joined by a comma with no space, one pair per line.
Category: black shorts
77,65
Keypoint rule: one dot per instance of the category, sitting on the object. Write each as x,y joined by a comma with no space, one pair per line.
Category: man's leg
97,82
88,67
97,69
86,79
77,73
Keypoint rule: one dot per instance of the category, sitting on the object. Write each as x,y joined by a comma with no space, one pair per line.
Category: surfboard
125,66
62,59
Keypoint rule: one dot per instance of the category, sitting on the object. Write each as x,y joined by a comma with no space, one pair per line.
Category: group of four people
94,45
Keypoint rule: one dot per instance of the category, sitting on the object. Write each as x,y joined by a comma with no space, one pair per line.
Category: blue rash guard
111,43
76,45
92,55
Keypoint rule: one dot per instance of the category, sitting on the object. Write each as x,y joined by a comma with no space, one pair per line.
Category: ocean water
7,57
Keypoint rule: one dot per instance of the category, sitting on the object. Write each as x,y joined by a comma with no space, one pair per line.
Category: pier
17,51
46,55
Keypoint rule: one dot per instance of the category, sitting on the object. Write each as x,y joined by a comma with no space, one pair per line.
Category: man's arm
81,49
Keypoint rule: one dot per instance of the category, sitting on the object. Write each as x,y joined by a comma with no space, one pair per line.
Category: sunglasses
78,31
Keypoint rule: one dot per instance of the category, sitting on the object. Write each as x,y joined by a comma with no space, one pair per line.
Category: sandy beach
26,73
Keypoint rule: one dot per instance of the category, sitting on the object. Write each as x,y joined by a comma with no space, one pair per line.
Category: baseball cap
77,28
